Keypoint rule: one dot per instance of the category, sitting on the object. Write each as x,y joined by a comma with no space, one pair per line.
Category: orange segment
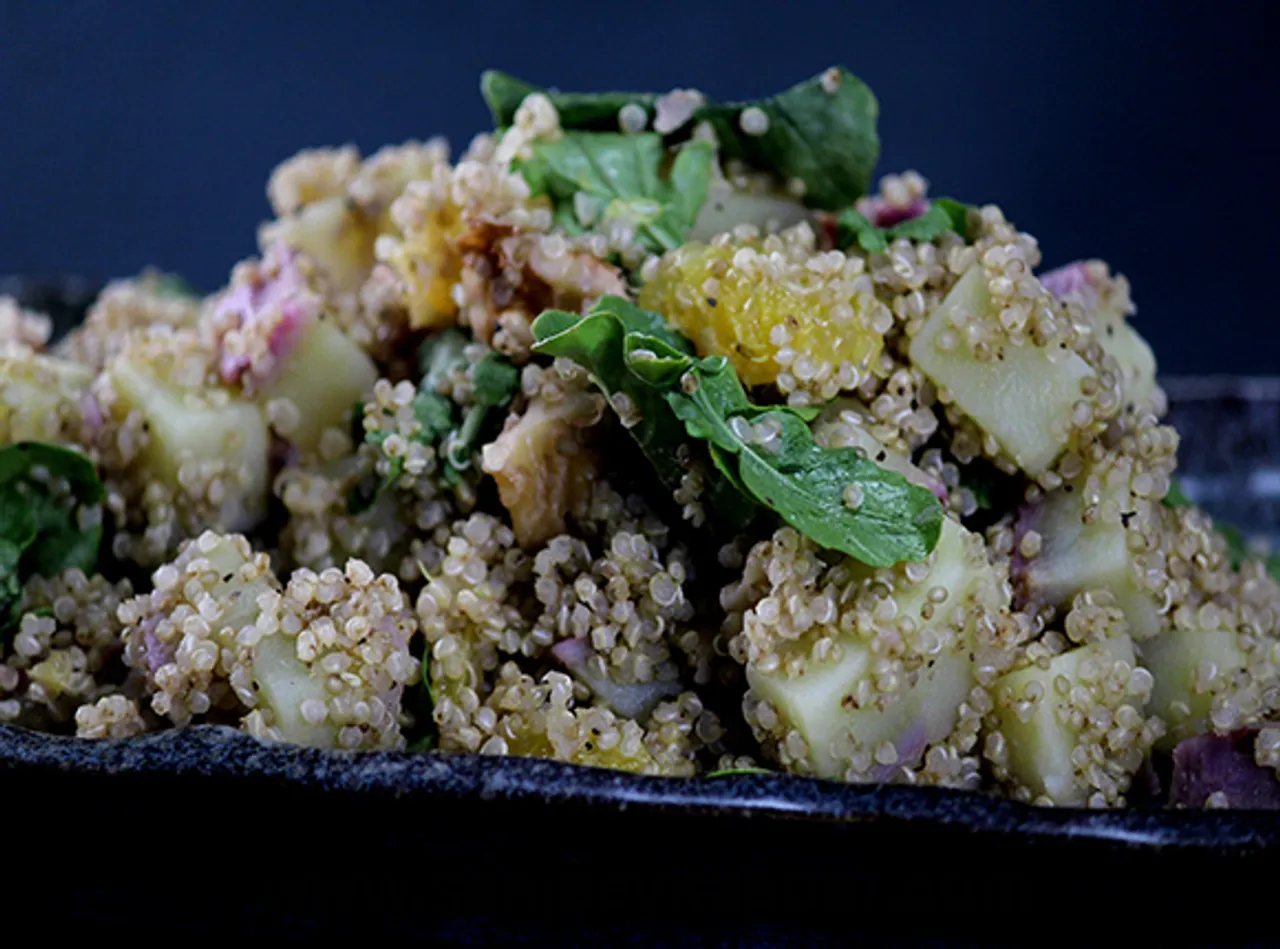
779,311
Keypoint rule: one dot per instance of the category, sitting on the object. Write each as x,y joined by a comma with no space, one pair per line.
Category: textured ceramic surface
452,817
223,753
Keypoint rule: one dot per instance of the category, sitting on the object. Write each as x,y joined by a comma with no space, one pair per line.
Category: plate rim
206,751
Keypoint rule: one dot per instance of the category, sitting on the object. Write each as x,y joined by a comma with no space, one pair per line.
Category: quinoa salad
650,433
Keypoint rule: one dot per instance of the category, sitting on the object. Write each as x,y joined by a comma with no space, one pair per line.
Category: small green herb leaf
926,227
616,176
424,744
424,704
434,413
852,227
50,517
494,382
732,772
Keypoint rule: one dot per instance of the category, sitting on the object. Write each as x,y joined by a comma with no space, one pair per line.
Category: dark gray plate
472,850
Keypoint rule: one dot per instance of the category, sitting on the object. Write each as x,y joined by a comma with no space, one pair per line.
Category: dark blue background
1144,133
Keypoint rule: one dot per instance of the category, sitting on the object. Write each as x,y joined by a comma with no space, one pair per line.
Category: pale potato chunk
41,397
1075,555
1040,737
1192,668
821,705
324,378
205,432
1023,400
284,683
333,233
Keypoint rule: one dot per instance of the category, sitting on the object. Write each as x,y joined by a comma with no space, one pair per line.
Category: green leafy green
958,211
598,176
804,483
981,491
172,285
494,380
597,342
10,583
1237,543
852,227
633,353
422,745
821,132
494,383
588,111
1176,497
50,517
731,772
424,703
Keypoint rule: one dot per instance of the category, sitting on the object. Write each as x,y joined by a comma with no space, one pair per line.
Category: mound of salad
644,435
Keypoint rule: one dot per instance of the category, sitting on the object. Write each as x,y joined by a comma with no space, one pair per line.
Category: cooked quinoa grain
682,452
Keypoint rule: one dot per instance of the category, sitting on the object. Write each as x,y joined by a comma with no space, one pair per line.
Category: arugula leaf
826,139
1237,543
590,111
503,94
10,583
1176,497
853,227
730,497
423,707
632,352
437,357
174,286
494,380
958,211
494,383
597,342
926,227
805,483
611,175
424,744
434,413
50,517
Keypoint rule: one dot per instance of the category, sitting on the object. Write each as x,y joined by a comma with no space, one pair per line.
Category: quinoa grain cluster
633,438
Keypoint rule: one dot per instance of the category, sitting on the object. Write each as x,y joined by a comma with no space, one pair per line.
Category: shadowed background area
143,133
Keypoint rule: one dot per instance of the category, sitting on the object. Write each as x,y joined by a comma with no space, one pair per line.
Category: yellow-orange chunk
779,310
